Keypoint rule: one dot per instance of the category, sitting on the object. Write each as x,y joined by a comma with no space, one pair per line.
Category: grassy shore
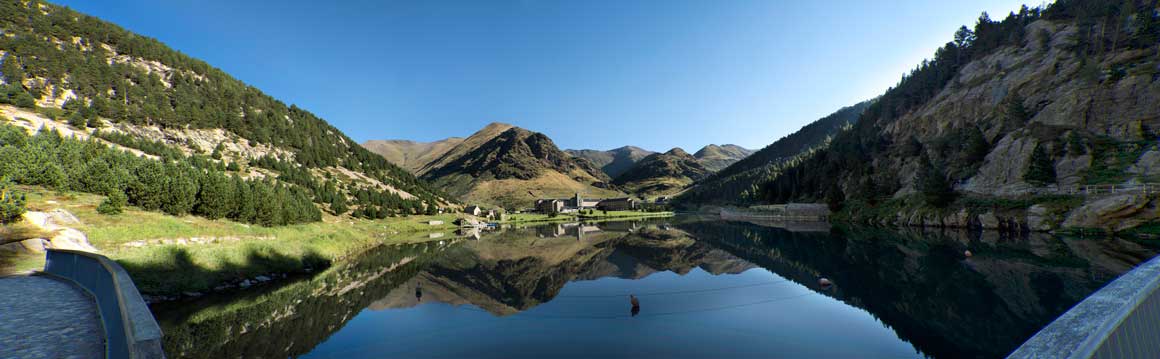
168,255
570,217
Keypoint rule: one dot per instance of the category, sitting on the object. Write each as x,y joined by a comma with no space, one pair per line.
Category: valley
961,209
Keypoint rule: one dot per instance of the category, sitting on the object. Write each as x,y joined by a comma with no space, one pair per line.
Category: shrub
11,203
1041,170
25,100
113,205
936,190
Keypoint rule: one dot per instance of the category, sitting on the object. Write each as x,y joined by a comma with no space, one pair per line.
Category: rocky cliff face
1035,110
1095,99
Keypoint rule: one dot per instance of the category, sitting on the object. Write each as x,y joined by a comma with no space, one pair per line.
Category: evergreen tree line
174,187
151,147
848,165
376,204
42,59
371,203
740,183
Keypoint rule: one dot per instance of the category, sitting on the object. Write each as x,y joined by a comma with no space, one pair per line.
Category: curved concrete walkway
43,317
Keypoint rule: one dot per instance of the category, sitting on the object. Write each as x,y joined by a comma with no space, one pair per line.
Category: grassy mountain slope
513,168
477,139
75,68
412,155
716,158
613,162
662,174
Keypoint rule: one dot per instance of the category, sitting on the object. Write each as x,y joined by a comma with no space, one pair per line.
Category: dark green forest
174,187
739,183
50,49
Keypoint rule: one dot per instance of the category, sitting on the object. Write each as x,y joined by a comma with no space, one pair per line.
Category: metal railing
130,329
1089,190
1121,320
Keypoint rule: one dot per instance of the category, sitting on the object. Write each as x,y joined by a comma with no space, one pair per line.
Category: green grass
623,214
245,250
566,217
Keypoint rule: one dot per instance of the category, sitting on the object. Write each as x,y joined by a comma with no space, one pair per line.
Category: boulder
959,219
1039,220
1114,213
1148,166
56,223
989,220
1069,171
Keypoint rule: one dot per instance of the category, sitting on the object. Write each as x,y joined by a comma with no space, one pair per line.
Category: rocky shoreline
1109,214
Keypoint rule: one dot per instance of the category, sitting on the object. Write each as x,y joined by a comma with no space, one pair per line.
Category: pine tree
181,191
976,146
217,151
1041,169
835,197
12,71
338,205
936,189
1016,113
25,100
148,191
216,196
114,204
11,202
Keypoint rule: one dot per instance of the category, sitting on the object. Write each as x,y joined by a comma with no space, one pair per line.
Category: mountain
613,162
71,74
616,161
1029,107
715,157
735,183
662,174
411,155
512,167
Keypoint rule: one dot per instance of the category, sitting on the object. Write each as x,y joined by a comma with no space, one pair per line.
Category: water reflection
706,287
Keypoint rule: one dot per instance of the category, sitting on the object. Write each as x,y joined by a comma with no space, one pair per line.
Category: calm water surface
707,288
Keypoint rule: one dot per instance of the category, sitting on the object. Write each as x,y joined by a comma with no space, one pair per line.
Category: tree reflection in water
917,283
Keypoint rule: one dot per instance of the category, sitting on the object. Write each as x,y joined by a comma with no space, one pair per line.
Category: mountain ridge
511,167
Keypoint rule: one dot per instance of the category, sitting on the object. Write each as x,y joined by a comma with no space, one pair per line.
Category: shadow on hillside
174,271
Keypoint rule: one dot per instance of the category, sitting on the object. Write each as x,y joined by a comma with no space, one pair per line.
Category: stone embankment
1112,213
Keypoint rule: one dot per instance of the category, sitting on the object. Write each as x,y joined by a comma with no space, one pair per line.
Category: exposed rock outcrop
1003,170
1114,213
56,224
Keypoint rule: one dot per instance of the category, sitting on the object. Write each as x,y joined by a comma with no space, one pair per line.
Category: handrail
1118,321
130,329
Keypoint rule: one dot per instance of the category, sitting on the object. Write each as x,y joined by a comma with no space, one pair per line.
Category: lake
706,288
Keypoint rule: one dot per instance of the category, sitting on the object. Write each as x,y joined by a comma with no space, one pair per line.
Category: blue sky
590,74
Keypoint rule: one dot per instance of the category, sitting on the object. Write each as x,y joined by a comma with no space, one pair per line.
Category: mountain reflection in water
706,288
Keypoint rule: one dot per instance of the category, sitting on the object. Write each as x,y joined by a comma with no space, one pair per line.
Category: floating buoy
968,253
824,282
